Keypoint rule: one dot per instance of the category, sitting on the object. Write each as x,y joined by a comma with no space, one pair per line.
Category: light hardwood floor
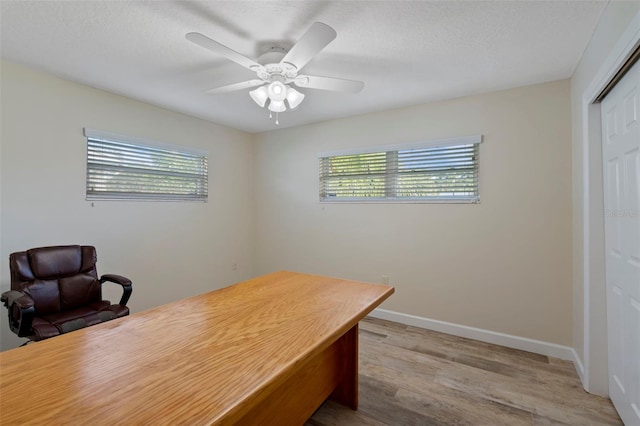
412,376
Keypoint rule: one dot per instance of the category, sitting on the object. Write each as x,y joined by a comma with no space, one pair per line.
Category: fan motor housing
270,59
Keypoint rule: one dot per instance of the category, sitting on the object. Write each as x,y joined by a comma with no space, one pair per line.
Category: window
126,168
444,170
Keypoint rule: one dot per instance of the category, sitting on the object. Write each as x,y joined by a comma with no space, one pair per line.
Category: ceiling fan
278,68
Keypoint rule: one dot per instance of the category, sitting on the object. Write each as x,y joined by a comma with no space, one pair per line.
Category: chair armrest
123,281
26,310
20,299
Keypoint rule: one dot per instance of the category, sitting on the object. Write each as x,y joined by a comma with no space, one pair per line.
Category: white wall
502,265
588,234
169,250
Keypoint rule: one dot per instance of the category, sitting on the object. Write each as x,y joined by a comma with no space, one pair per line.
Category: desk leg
346,393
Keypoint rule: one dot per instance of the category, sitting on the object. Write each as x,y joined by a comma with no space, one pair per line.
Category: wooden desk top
194,361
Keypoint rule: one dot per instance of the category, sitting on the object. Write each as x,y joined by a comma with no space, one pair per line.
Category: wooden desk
266,351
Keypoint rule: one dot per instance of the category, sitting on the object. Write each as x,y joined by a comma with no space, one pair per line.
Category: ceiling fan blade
236,86
221,49
328,83
313,41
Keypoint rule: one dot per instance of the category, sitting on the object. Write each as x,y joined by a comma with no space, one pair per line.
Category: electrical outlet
385,279
234,266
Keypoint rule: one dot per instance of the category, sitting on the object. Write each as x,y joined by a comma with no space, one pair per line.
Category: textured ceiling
406,52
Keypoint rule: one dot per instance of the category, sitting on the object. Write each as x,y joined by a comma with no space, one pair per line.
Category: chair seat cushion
119,310
43,329
63,322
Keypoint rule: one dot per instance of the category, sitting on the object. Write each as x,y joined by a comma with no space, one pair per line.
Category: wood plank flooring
411,376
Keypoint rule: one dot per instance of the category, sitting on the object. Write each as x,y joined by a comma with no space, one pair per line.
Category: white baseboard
577,362
515,342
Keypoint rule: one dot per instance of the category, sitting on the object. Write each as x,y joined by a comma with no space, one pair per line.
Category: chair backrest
56,278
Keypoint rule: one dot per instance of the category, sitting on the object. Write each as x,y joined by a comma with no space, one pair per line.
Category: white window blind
127,168
445,171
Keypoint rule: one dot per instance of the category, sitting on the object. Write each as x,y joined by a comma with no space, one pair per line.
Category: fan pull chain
271,117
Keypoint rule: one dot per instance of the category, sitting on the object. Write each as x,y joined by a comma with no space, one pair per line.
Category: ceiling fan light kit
278,68
294,98
276,92
260,96
277,106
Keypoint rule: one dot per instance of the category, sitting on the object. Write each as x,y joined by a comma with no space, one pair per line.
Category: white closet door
621,157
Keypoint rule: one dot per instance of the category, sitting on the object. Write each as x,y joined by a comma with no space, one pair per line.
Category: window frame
202,181
390,196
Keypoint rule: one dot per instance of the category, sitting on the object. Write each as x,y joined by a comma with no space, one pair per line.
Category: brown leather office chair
55,290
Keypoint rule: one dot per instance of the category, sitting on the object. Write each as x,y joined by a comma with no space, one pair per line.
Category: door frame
593,370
